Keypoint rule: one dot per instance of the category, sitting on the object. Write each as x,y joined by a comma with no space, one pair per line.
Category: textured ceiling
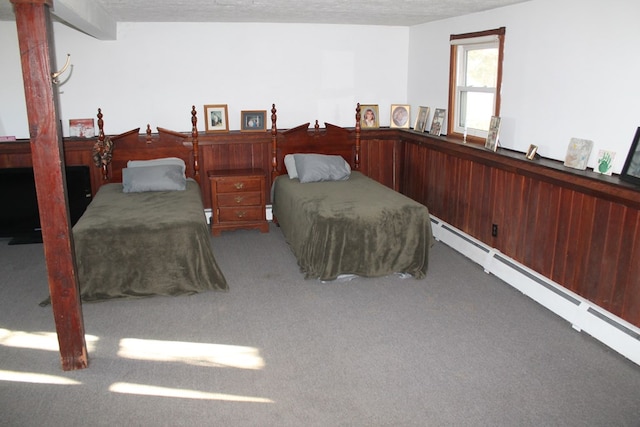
357,12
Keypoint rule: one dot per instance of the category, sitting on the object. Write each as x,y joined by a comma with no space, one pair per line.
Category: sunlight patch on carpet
35,378
192,353
148,390
47,341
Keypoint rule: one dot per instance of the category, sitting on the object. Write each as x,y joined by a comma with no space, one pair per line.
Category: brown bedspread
131,245
357,226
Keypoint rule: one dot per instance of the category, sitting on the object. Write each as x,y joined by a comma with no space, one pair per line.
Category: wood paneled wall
76,153
579,229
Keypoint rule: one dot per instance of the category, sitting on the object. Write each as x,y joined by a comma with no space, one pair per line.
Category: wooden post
34,28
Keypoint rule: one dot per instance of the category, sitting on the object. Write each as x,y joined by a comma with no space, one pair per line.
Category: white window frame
460,45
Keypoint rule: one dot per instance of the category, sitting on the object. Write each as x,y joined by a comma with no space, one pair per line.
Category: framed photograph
216,118
82,128
400,116
532,151
493,135
421,119
253,121
631,169
369,116
578,153
438,121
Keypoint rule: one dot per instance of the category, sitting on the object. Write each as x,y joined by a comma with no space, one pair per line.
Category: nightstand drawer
240,199
238,184
248,213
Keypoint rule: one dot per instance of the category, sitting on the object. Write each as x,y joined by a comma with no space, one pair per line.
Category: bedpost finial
274,118
100,125
195,145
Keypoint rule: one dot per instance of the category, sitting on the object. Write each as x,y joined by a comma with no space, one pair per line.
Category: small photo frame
605,162
532,151
82,128
438,121
631,169
578,153
493,135
253,120
400,116
369,116
421,119
216,118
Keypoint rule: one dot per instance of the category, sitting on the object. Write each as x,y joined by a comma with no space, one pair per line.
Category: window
474,82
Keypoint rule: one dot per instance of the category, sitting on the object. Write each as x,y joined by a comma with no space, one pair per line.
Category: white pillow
155,162
290,164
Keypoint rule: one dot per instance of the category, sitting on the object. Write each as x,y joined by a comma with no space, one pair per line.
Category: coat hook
54,76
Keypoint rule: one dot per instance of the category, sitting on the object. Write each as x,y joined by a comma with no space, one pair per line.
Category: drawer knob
241,214
239,185
239,199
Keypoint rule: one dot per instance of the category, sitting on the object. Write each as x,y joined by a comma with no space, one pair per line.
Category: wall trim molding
583,315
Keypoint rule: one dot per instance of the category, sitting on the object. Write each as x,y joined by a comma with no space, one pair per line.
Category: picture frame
421,119
493,135
369,116
216,118
578,153
631,169
82,128
437,124
400,116
253,120
604,162
531,152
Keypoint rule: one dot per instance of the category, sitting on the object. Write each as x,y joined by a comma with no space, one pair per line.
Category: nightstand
238,200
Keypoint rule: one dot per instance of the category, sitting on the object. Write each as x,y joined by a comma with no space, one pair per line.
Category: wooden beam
34,33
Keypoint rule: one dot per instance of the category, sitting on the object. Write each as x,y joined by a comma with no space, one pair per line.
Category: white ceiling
356,12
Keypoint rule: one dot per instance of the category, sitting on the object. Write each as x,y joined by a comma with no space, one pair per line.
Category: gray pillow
321,167
153,178
160,161
290,164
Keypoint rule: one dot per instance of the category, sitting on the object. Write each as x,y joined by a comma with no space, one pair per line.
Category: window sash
478,127
462,121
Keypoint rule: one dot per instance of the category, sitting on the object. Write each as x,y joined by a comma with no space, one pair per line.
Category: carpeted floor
459,348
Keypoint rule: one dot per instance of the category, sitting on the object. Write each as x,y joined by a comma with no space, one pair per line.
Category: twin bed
336,220
141,235
145,232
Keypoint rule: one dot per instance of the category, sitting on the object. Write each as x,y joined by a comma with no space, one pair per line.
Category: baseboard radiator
583,315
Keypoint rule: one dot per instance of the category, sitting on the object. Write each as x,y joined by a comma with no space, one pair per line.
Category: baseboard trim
583,315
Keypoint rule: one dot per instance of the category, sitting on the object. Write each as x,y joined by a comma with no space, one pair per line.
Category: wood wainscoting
577,228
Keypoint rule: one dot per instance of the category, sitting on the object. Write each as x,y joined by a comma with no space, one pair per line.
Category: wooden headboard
330,140
111,154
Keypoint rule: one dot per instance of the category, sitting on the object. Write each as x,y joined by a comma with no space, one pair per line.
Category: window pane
482,67
476,109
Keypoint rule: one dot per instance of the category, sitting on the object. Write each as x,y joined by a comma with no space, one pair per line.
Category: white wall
154,72
571,69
